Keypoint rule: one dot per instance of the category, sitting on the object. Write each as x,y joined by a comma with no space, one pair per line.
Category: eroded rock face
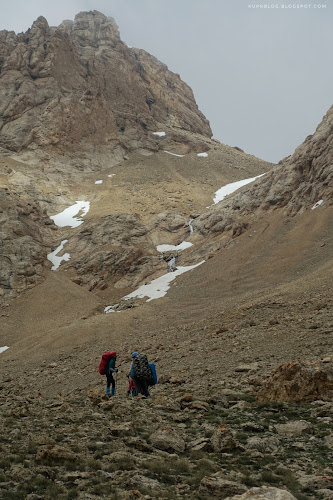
24,230
113,250
299,381
294,185
79,83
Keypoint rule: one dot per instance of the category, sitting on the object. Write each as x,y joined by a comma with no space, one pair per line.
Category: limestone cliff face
294,185
25,238
80,84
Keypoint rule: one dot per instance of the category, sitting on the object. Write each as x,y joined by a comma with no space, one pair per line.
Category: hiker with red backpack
107,367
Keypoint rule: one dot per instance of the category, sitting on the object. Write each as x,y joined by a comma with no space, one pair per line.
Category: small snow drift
4,348
56,261
174,154
159,287
320,202
160,134
202,155
230,188
166,248
67,217
99,182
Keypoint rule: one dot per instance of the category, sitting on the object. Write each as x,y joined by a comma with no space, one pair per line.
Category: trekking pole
116,383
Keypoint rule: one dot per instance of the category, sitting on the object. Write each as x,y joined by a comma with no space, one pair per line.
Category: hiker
140,373
107,367
131,387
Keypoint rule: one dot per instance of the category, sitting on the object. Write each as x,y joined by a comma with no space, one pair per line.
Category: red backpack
105,360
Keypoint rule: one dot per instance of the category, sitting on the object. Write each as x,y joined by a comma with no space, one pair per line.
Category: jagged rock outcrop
294,185
299,381
79,85
113,250
25,235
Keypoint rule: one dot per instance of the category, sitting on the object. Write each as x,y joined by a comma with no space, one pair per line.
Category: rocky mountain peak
79,85
95,29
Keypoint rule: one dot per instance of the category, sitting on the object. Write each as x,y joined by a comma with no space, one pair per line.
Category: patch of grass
72,493
203,468
242,437
250,481
92,464
290,482
103,489
160,466
267,476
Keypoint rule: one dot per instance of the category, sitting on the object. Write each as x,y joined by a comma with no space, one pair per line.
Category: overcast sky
262,76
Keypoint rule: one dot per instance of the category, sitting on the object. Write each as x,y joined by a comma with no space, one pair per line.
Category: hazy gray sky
262,76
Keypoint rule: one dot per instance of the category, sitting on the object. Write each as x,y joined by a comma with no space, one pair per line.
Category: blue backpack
153,379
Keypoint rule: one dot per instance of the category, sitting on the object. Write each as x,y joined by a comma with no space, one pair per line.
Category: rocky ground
242,343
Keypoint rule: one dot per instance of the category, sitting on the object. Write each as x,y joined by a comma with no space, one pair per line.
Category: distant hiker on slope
107,367
140,373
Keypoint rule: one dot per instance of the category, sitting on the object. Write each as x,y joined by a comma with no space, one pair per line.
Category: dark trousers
110,380
141,386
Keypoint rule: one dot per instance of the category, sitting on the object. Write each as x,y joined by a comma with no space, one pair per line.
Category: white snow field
320,202
67,217
159,287
167,248
203,155
56,261
4,348
233,186
99,182
160,134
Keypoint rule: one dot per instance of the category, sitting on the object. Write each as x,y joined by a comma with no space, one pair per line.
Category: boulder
264,492
223,439
263,445
299,381
295,428
217,487
55,453
168,440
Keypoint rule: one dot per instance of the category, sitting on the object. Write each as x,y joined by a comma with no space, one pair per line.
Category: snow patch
174,154
166,248
111,175
159,287
230,188
203,155
56,261
110,309
99,182
4,348
320,202
160,134
67,217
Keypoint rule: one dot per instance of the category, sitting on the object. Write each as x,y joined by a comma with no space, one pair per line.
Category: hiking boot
113,391
107,391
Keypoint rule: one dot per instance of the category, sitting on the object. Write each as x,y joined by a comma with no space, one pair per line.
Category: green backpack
141,367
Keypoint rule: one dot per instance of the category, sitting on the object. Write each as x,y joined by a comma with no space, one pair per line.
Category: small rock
223,439
168,440
54,452
217,487
264,492
295,428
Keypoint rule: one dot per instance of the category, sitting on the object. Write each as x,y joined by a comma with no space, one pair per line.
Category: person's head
113,354
134,354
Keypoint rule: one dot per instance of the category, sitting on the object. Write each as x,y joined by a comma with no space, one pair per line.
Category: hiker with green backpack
140,372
